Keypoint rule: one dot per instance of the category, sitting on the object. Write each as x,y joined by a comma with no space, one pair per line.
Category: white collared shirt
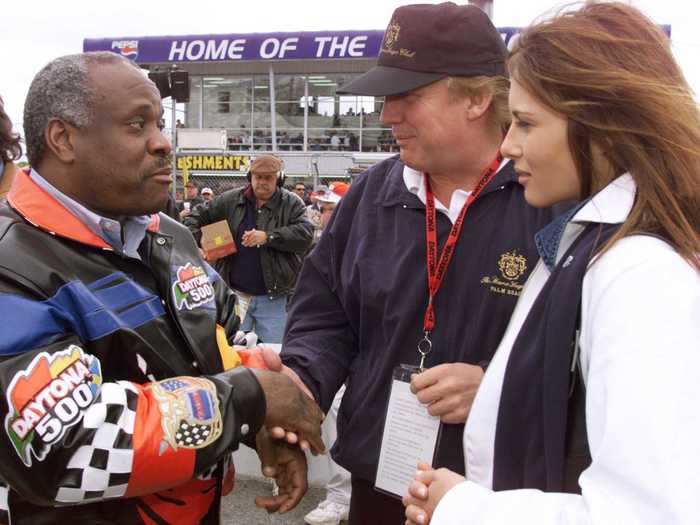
415,183
640,356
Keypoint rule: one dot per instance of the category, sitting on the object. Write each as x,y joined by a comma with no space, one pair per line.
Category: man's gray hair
61,90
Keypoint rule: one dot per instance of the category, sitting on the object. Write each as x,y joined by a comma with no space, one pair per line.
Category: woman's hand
425,492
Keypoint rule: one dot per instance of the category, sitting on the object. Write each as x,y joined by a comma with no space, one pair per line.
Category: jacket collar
43,211
611,205
248,195
394,191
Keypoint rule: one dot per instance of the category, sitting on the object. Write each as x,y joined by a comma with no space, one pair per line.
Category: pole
273,115
173,140
306,114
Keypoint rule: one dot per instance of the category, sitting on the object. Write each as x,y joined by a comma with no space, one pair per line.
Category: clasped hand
426,490
289,409
253,238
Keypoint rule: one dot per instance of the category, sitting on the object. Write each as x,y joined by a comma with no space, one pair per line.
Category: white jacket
640,355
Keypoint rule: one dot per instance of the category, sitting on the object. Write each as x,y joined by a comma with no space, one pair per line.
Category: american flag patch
172,385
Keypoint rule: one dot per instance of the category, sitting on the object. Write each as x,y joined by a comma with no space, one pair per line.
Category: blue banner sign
255,46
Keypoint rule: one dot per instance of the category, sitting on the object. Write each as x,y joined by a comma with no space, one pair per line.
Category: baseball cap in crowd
207,190
333,194
426,42
266,164
317,191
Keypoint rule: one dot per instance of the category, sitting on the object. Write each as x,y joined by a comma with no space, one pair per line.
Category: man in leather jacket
272,234
122,396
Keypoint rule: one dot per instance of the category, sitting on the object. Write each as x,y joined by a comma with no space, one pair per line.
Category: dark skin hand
289,408
290,471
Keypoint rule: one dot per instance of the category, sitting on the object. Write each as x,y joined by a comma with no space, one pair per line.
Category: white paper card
410,435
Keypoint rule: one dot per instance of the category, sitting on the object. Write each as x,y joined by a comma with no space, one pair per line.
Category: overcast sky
35,31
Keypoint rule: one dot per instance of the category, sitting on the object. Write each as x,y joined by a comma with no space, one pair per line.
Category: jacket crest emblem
190,414
512,265
390,38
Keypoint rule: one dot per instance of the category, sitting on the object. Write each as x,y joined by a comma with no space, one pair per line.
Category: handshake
292,426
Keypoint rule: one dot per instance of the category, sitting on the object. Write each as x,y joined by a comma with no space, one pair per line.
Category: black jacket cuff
247,399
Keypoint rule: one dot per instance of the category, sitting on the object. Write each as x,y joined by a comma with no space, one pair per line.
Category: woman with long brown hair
589,410
10,150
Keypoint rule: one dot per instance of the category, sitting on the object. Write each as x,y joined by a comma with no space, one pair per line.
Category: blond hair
497,87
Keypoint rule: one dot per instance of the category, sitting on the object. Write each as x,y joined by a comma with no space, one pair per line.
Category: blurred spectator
283,141
207,194
326,199
300,190
191,200
353,142
10,150
272,234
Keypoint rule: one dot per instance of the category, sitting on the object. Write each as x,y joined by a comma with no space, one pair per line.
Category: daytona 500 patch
48,397
190,415
192,287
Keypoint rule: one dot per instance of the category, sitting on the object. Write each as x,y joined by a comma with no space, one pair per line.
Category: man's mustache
162,163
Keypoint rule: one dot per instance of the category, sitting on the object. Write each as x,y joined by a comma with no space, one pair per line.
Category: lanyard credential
437,268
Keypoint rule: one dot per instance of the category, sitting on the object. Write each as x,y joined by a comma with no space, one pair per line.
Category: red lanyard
438,269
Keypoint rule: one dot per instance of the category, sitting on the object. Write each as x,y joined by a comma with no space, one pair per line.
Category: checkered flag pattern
189,434
101,467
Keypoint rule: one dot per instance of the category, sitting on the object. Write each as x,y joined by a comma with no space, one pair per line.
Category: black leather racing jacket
112,409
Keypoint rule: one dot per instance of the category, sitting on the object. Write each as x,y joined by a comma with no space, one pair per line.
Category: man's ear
478,105
60,139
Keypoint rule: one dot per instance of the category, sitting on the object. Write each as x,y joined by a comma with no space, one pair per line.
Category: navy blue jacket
357,311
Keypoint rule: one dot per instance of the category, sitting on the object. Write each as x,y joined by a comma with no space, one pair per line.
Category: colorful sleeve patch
48,397
192,287
190,414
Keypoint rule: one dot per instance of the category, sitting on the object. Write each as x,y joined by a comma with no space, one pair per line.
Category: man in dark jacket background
364,304
272,235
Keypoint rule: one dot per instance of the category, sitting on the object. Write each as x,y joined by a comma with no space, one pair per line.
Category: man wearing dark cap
272,234
428,249
191,200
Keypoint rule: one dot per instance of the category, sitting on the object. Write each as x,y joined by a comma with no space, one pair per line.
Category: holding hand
287,465
425,492
448,390
252,238
290,409
279,432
